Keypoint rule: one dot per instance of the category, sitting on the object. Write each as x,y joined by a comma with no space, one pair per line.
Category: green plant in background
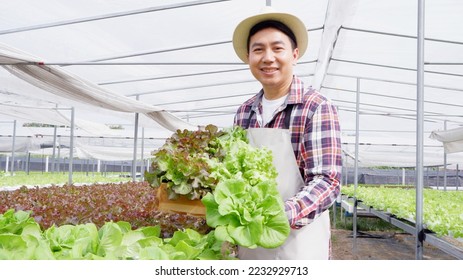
38,178
442,210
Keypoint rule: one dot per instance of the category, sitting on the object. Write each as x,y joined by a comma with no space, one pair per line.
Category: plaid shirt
315,136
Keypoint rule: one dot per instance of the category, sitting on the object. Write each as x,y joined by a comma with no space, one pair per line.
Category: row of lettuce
442,210
21,238
236,182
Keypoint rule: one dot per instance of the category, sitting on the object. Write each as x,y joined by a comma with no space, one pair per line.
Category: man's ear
295,55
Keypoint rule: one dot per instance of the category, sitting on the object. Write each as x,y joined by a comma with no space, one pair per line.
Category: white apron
312,241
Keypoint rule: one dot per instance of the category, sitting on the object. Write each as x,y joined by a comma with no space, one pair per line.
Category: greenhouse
99,86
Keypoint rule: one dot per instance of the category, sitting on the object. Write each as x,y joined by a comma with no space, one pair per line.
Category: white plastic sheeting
113,146
108,153
452,139
21,145
66,85
178,57
54,117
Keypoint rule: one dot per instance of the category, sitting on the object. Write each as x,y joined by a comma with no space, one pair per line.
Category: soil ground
388,245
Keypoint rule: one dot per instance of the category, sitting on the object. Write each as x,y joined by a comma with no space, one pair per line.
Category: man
300,127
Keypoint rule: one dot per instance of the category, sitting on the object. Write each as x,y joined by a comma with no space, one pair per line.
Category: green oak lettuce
246,215
245,207
241,160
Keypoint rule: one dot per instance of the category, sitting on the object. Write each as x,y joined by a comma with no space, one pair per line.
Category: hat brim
241,33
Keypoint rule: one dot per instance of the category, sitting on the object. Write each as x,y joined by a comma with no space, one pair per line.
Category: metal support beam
142,160
53,157
357,124
419,132
13,148
109,16
135,141
445,161
71,146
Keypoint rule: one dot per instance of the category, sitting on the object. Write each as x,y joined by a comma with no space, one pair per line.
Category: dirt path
380,246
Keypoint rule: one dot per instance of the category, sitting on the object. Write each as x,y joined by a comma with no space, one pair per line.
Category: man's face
271,58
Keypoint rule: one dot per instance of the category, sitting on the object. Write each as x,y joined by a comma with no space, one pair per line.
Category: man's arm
321,157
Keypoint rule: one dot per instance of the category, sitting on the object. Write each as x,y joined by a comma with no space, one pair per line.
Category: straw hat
240,36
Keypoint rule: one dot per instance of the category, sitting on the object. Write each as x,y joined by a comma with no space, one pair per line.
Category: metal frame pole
135,141
142,167
53,157
458,178
13,148
419,133
445,161
71,146
403,176
357,122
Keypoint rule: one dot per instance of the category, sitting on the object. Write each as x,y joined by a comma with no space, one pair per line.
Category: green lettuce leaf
246,215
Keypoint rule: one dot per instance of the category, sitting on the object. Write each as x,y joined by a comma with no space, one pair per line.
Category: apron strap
286,122
288,111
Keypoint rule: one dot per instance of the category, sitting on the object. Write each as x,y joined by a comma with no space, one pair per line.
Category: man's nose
269,56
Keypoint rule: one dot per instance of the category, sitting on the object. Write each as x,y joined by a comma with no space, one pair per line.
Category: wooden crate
180,205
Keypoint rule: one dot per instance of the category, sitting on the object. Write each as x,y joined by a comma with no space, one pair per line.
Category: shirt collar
296,94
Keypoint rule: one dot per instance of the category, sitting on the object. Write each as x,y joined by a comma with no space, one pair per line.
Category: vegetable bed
442,211
90,222
134,202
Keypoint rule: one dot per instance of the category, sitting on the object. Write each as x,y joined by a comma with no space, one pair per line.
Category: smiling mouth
268,70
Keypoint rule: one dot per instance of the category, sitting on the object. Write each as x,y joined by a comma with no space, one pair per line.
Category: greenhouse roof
173,62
